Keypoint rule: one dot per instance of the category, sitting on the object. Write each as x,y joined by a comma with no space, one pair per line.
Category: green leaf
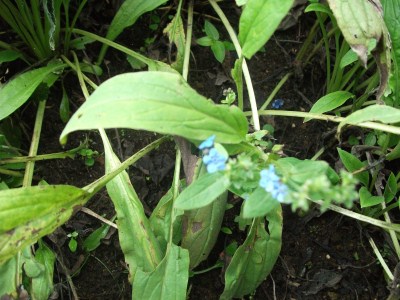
353,164
8,273
395,153
65,112
237,75
367,200
73,245
94,239
168,281
254,260
218,48
300,171
9,55
259,20
203,191
126,16
176,35
211,31
30,213
380,113
361,23
330,102
391,10
137,240
259,204
18,90
42,285
390,188
200,229
205,41
318,7
160,102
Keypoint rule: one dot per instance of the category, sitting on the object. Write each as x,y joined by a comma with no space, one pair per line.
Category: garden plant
226,156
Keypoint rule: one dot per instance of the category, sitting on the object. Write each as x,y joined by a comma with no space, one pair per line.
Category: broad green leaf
42,285
218,48
168,281
353,164
203,191
9,55
160,221
200,229
390,188
8,273
259,204
380,113
351,56
391,10
126,16
237,75
17,91
23,205
137,240
367,200
259,20
161,102
330,102
254,260
300,171
30,213
211,31
395,153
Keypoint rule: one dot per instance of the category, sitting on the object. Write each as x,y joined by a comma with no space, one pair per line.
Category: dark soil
323,256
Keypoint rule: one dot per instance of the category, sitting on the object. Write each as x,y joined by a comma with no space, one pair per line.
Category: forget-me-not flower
213,159
272,184
277,103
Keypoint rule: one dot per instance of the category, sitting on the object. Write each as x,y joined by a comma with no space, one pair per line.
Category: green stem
11,172
327,52
246,72
59,155
69,30
275,91
70,64
392,234
188,41
299,114
97,185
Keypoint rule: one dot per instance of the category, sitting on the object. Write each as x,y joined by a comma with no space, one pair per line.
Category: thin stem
188,43
275,91
70,64
299,114
97,216
246,73
59,155
175,186
392,234
380,258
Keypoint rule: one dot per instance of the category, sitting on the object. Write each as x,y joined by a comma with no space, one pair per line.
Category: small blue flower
208,143
272,184
277,103
214,161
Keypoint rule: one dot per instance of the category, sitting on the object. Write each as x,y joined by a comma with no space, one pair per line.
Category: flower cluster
212,158
272,184
277,103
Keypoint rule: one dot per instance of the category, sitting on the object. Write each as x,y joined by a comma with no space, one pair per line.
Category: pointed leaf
254,260
18,90
168,281
259,20
330,102
367,200
353,164
203,191
160,102
259,204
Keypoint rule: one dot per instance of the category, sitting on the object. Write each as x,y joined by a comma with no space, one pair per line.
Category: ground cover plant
227,161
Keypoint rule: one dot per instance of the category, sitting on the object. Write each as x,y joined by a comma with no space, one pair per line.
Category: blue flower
208,143
272,184
214,161
277,103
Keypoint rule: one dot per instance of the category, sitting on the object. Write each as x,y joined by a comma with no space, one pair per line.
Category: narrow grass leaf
160,102
203,191
259,20
330,102
168,281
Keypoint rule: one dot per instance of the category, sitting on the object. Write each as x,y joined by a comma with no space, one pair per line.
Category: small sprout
73,244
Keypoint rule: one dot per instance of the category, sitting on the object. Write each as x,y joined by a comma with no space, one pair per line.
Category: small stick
93,214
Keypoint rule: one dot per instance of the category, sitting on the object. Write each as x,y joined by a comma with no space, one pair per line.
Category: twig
93,214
